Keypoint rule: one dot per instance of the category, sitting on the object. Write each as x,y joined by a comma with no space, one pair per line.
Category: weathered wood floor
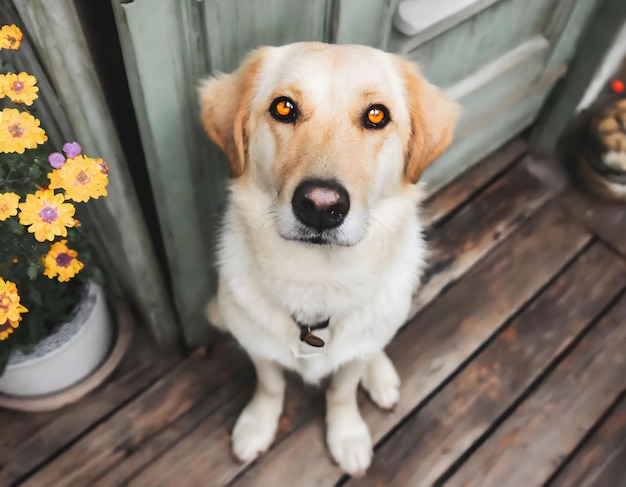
513,370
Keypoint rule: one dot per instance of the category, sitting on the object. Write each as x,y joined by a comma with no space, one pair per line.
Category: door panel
234,27
492,33
473,146
498,55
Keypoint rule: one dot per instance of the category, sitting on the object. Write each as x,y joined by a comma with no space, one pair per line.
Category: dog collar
306,333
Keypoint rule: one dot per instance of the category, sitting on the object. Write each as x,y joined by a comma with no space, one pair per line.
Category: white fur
364,287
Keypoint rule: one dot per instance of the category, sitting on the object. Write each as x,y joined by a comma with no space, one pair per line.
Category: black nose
320,204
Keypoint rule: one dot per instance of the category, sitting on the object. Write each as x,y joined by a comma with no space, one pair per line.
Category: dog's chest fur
267,284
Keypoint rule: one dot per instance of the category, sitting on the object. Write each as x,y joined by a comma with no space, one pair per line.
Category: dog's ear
225,109
433,118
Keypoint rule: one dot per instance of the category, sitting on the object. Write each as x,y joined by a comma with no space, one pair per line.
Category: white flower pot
65,357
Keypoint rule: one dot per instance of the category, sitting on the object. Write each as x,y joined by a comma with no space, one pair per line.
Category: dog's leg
257,424
347,435
381,381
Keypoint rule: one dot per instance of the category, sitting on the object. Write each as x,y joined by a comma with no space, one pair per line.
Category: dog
321,246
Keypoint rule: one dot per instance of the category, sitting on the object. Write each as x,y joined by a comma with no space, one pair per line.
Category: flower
56,160
104,169
20,88
8,205
46,215
10,37
10,307
72,149
61,261
81,178
7,328
19,131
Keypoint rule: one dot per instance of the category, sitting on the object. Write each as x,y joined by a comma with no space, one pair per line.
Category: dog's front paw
252,435
350,444
381,382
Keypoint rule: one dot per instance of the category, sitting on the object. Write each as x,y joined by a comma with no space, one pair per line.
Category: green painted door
498,58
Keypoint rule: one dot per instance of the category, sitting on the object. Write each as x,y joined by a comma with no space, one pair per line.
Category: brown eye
284,110
376,117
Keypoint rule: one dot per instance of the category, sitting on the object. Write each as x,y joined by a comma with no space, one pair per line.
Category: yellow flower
47,215
10,307
10,37
20,88
7,328
19,131
61,261
8,205
81,178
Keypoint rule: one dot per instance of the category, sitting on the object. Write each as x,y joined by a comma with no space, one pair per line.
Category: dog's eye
376,117
284,109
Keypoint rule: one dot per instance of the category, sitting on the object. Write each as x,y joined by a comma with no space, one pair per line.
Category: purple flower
56,160
72,149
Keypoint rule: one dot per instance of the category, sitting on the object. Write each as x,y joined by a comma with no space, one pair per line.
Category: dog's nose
320,204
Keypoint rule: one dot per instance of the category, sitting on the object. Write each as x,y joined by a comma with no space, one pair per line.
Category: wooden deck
513,370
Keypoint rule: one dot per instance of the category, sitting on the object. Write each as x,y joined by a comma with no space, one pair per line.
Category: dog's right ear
225,109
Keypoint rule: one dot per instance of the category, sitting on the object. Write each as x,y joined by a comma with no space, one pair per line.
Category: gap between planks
600,458
546,427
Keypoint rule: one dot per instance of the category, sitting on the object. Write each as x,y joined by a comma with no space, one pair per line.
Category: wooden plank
17,427
604,218
471,233
602,459
459,191
162,404
151,34
206,452
439,340
66,426
592,46
435,437
161,456
547,426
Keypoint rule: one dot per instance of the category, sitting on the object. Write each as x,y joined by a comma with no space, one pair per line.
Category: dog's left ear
433,118
225,109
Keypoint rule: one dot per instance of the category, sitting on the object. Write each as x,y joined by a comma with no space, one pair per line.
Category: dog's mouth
332,238
317,240
349,233
320,239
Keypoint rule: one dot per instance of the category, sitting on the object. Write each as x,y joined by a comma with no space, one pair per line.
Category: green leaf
32,271
34,172
35,296
15,226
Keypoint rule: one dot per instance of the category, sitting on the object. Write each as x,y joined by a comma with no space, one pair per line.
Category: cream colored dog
321,247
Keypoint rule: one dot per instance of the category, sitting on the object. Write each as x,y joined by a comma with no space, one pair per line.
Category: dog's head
327,132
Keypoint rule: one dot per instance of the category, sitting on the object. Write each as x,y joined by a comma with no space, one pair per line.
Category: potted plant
55,328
